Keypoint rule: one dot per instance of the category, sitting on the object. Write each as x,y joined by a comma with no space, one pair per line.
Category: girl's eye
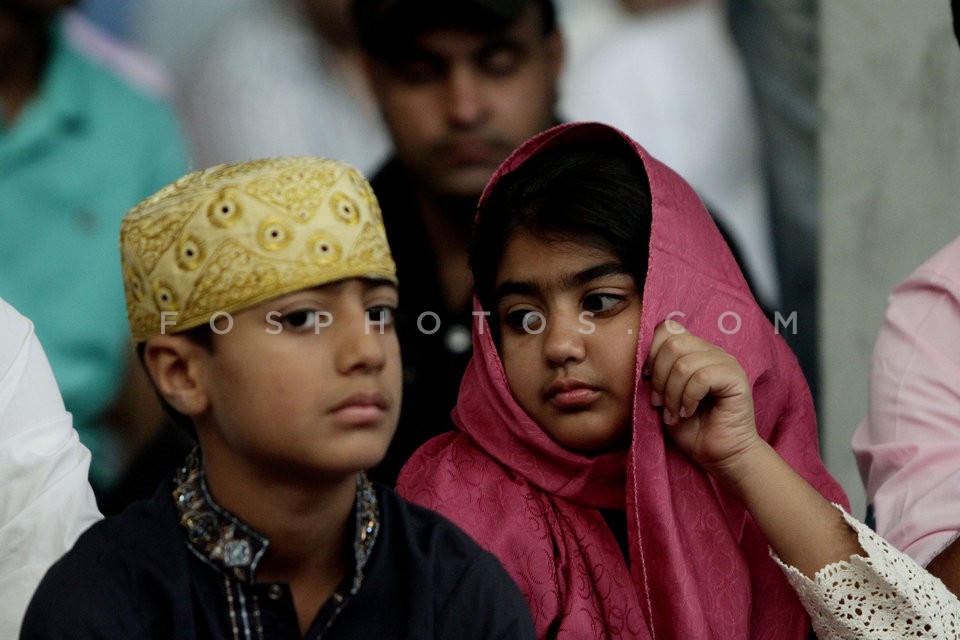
524,320
381,315
301,319
601,302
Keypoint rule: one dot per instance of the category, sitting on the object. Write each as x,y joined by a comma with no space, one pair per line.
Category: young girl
584,244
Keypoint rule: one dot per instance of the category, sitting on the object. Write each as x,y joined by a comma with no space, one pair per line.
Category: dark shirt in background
434,357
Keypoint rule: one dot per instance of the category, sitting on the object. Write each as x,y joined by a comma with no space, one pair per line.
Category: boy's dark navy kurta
186,569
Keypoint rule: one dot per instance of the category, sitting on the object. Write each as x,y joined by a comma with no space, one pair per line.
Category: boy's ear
173,363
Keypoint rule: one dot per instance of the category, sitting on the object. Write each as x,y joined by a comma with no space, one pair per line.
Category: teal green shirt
87,148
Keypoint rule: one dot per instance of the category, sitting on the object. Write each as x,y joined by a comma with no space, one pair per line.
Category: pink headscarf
699,567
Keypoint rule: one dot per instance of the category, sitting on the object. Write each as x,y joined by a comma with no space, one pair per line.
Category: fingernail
656,399
667,417
684,413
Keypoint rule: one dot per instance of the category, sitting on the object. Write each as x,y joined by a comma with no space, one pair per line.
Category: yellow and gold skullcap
232,236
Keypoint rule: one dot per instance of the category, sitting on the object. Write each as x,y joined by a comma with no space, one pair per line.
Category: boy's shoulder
115,566
424,534
144,533
446,576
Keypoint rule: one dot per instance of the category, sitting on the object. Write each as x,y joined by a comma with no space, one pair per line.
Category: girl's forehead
532,264
529,250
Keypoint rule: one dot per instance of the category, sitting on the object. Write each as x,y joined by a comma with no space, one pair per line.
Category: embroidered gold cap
232,236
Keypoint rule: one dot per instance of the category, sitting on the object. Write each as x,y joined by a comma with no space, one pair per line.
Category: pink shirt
908,448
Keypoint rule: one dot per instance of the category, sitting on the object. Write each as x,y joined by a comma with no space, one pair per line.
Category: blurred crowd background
822,136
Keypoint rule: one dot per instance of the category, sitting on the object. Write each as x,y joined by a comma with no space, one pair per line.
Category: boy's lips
361,408
570,394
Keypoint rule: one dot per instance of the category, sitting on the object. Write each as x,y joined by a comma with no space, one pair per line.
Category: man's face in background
460,100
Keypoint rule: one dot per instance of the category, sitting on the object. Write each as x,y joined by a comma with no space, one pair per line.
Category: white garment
45,499
266,84
672,80
127,62
881,596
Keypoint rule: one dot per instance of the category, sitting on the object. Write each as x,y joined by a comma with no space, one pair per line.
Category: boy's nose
361,345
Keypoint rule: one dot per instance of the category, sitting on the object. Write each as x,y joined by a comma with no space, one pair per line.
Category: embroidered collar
224,542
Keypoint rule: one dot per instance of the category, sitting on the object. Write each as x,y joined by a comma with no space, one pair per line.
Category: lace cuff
884,594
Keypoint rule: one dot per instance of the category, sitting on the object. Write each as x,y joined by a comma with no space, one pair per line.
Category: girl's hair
595,194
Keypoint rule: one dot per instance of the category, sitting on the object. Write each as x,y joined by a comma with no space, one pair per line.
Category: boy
261,296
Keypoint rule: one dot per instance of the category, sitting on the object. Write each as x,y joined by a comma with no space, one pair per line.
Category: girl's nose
563,340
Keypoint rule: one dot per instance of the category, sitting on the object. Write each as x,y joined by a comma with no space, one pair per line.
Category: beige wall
890,170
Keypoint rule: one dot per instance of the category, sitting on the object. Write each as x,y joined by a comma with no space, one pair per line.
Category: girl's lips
571,394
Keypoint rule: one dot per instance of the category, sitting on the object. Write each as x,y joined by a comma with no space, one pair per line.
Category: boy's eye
382,315
524,320
601,302
303,319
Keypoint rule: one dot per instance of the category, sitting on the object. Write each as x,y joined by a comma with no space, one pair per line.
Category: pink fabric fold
699,566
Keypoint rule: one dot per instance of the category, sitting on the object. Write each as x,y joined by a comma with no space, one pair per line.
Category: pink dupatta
699,567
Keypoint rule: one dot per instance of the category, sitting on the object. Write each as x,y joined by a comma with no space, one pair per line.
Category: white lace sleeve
882,595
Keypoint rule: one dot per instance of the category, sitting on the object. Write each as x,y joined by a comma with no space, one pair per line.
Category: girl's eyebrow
598,271
530,287
511,287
